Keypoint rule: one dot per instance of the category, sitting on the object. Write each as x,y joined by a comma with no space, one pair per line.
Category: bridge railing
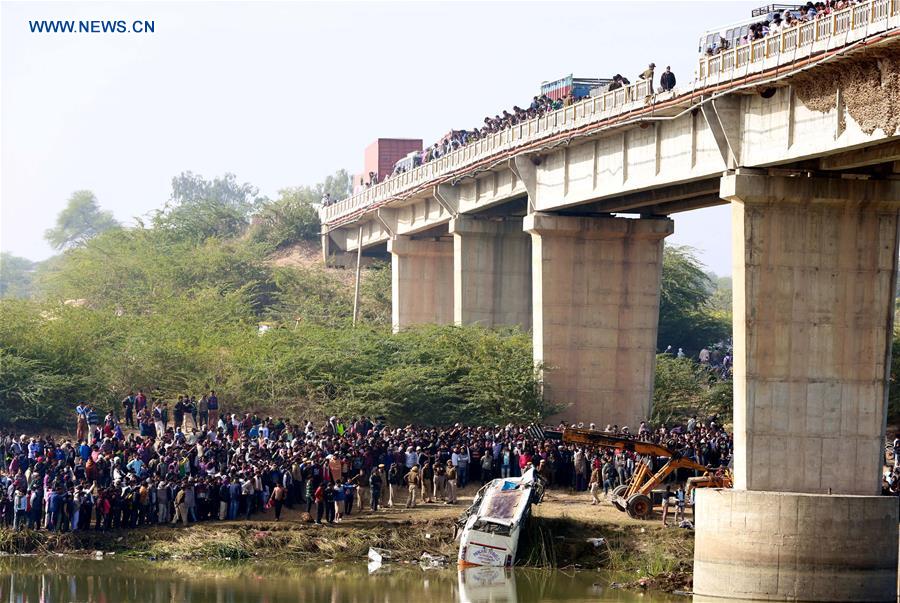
827,32
800,41
577,114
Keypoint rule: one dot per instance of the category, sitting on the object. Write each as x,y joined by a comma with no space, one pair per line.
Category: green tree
81,220
682,389
138,271
721,297
687,318
287,220
199,209
16,275
294,216
375,294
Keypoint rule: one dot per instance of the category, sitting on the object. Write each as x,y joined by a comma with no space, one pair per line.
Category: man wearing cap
667,82
451,484
647,74
376,480
413,482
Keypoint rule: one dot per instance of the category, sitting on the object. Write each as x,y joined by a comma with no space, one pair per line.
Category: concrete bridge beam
491,272
815,264
596,287
421,281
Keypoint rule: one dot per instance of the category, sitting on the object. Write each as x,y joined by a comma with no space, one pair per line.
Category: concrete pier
421,281
596,287
815,264
779,546
491,272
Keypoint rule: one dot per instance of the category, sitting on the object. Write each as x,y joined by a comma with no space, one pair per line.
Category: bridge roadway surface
798,132
636,152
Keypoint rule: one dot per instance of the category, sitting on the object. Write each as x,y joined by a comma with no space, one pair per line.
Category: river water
68,580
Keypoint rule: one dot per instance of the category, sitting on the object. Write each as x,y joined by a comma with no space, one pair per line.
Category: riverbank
562,534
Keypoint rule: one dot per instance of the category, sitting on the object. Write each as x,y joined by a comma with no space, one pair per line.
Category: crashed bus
492,525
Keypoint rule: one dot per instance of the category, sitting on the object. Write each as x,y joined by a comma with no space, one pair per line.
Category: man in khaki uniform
180,507
451,483
414,482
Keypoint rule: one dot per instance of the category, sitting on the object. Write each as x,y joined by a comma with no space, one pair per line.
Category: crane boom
589,437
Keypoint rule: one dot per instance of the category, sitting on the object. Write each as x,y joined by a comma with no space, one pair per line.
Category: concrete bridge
799,133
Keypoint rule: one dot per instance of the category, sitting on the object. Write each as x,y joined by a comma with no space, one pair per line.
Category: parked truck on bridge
578,87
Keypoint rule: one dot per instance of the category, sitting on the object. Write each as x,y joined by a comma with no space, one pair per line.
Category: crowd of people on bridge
777,22
198,464
455,139
540,105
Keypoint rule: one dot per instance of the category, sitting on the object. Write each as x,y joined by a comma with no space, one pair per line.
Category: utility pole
358,270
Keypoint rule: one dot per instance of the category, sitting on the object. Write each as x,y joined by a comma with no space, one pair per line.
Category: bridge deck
750,65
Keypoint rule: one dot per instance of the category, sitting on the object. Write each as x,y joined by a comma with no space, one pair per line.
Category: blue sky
283,93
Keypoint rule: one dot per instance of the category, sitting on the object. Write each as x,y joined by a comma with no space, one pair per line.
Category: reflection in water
61,580
487,585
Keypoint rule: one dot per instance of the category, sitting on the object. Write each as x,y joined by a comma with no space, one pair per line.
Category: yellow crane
635,497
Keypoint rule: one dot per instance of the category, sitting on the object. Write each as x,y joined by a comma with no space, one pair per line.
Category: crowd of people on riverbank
198,465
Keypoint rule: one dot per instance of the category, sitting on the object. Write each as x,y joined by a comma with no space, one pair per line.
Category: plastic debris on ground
429,561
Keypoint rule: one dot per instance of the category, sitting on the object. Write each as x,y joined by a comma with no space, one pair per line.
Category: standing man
462,466
667,81
277,499
451,483
180,507
427,481
158,421
162,502
680,502
580,464
487,467
665,506
204,412
375,482
414,483
140,401
20,510
607,472
647,74
595,485
93,419
128,408
81,424
212,407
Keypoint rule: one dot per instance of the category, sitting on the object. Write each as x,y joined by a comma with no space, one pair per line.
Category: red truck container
382,154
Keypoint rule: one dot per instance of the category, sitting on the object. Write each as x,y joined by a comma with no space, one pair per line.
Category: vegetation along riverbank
562,534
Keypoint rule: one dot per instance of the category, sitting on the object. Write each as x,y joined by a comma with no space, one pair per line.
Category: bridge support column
491,272
421,281
815,264
596,286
